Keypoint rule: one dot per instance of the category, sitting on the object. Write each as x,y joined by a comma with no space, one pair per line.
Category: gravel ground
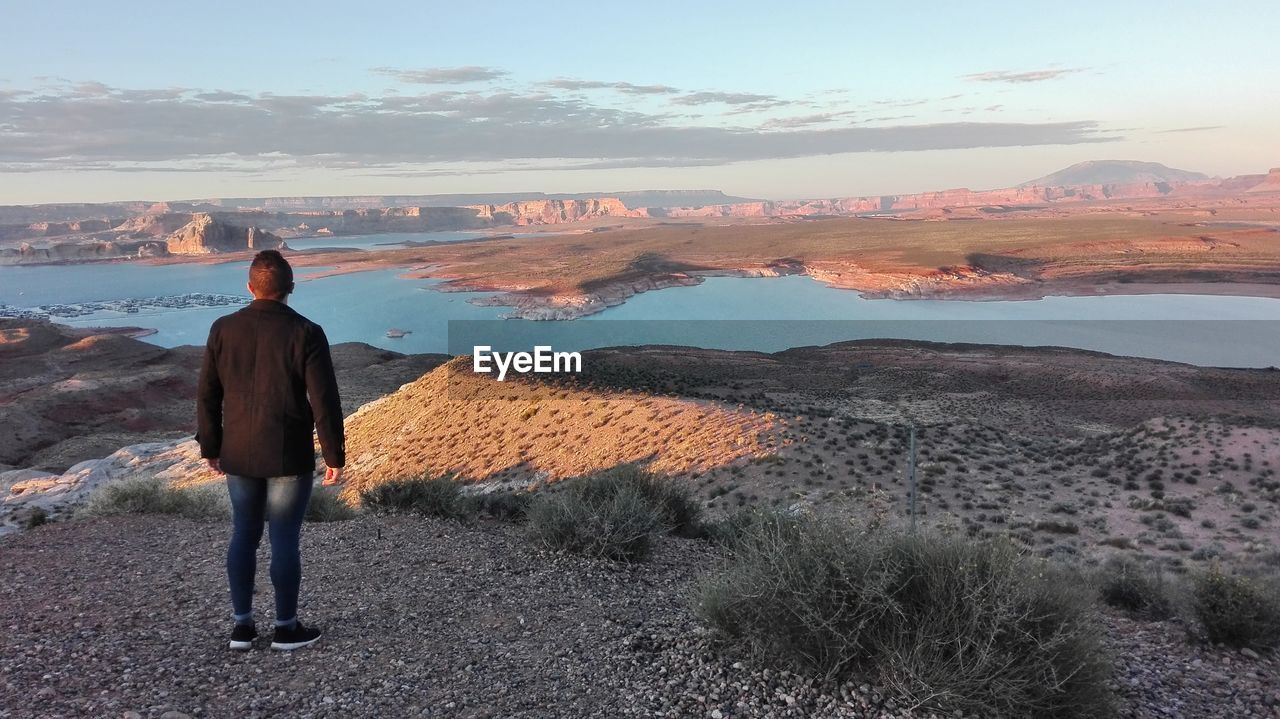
128,617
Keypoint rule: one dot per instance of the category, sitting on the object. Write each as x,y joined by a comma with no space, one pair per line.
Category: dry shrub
614,514
426,496
1124,584
150,495
967,626
1235,609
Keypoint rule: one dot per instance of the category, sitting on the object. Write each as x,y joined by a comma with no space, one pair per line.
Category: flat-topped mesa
1028,195
554,212
1270,182
205,235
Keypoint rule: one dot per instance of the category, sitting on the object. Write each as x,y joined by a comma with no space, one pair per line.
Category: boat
396,334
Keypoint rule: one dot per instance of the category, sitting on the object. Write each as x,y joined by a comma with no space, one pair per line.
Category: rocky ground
431,618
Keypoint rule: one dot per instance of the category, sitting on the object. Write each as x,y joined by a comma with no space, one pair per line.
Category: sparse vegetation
427,496
1124,584
745,522
674,501
614,514
1235,609
969,626
327,506
35,518
508,504
618,525
150,495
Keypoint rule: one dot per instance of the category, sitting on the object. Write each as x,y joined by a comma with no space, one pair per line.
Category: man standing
267,379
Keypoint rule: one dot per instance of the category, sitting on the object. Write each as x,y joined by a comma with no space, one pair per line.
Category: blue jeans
282,503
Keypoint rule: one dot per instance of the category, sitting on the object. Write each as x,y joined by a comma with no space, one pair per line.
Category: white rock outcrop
27,491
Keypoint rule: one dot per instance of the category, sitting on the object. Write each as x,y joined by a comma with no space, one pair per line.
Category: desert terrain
1071,452
1073,456
1076,460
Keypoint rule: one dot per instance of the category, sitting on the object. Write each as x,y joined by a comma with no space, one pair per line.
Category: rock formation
158,224
1270,183
84,232
554,212
72,251
24,492
205,235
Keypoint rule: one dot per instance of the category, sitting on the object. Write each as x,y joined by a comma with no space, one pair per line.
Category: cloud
1023,77
74,126
1200,128
728,98
627,87
221,96
443,75
906,103
805,120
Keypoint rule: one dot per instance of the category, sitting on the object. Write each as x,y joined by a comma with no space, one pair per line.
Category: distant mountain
1115,172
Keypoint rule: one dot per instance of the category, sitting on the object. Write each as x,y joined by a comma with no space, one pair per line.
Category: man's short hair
270,275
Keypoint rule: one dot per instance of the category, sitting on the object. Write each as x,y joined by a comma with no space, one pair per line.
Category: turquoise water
766,314
796,311
357,307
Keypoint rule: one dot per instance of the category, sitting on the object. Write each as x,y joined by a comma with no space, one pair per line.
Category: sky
168,101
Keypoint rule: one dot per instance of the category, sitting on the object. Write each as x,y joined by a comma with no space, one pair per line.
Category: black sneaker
295,637
242,637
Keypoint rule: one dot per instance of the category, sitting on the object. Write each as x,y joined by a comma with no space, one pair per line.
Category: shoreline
525,303
561,276
569,307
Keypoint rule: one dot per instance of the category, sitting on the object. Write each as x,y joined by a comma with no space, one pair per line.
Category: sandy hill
454,421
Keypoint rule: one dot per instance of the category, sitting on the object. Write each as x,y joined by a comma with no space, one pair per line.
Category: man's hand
332,476
214,464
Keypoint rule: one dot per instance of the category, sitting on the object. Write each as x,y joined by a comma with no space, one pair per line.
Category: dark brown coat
267,379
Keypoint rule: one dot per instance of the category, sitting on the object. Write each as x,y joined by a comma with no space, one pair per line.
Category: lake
766,314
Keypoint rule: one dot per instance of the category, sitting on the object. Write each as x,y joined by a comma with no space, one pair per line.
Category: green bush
967,626
1237,610
679,511
434,497
744,522
614,514
618,525
150,495
1124,584
326,506
508,504
35,518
